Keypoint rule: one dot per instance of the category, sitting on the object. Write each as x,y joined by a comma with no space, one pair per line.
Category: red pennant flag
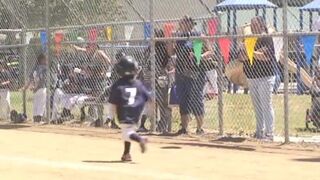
58,38
225,46
93,35
168,29
212,26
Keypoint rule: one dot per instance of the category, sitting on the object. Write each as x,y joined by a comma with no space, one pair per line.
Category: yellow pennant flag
250,44
108,33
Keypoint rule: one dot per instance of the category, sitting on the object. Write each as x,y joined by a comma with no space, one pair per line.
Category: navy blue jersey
130,97
183,50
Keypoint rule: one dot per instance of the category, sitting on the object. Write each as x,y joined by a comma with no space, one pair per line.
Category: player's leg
183,90
266,89
197,96
114,125
147,112
8,104
5,104
39,103
70,102
66,105
142,127
2,104
129,134
255,97
126,153
57,103
125,129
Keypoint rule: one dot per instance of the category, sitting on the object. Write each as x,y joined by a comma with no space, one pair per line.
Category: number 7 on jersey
132,95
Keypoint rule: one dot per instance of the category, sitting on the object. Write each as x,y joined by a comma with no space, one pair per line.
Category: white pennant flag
278,46
128,32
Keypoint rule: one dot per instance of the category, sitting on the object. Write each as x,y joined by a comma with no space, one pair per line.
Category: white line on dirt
86,167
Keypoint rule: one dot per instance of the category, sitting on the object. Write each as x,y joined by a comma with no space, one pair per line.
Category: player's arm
170,47
5,83
147,94
208,53
79,48
104,56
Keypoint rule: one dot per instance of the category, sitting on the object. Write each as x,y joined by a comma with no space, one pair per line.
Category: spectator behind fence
190,79
73,88
37,82
93,55
95,86
261,79
59,94
161,92
113,78
5,82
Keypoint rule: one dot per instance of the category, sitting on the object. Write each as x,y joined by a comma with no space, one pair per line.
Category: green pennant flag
197,49
73,35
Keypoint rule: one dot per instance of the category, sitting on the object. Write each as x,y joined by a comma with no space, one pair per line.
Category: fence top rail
10,30
13,46
142,40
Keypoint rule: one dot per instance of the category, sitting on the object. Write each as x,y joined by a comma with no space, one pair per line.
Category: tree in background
31,13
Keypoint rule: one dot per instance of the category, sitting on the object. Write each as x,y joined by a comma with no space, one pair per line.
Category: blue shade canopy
243,4
313,6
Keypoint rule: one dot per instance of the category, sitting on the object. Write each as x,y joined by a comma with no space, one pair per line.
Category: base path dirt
92,154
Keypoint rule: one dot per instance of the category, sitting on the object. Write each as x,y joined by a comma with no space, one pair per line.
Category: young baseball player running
127,99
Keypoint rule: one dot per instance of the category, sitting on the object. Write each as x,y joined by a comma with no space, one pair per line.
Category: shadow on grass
308,160
13,126
108,162
218,146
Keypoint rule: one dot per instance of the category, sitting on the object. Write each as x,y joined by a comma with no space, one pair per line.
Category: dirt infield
52,152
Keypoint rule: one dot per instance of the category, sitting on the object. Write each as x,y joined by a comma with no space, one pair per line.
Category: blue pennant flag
308,42
147,30
44,40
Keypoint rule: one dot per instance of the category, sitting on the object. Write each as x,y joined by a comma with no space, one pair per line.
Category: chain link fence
235,67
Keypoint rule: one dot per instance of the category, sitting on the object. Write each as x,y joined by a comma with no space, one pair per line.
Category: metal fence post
153,64
220,82
47,54
25,75
286,71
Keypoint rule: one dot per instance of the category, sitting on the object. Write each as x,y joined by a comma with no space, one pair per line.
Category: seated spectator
73,89
94,86
59,94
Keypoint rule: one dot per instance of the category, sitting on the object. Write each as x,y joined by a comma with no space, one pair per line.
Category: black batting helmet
127,66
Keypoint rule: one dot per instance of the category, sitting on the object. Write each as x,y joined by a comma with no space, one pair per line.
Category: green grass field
238,113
